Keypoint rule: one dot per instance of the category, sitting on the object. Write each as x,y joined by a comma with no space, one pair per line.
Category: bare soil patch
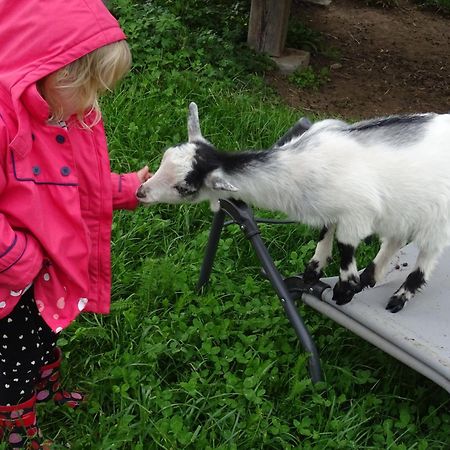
392,61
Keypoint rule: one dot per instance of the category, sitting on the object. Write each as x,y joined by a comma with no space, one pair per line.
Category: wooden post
268,25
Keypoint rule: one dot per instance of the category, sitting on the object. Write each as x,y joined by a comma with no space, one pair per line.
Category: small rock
292,60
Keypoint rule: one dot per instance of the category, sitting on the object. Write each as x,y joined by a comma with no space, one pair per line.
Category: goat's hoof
396,303
311,275
367,278
344,291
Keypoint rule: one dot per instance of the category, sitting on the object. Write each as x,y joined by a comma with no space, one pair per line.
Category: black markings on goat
414,281
367,278
185,191
344,291
391,121
395,130
207,159
347,252
311,273
296,131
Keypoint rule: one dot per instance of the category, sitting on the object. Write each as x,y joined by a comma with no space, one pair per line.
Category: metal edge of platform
379,341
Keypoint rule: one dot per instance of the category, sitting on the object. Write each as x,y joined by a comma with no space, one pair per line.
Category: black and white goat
388,176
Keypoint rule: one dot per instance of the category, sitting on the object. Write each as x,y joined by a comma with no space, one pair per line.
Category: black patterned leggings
26,344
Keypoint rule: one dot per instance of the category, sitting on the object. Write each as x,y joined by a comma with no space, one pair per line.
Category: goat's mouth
144,201
142,195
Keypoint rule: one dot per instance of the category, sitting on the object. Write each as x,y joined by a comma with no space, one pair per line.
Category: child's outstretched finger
144,174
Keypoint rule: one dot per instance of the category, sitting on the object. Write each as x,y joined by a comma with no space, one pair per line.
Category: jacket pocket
38,169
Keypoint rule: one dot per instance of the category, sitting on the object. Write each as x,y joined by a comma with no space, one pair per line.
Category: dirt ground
392,61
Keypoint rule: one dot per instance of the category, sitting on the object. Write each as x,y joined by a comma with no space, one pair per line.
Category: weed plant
170,368
308,78
442,6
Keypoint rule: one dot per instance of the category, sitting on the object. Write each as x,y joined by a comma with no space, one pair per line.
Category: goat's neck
274,180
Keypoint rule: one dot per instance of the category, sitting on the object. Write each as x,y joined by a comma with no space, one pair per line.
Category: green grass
172,369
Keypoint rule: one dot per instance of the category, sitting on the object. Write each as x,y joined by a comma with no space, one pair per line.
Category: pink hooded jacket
57,192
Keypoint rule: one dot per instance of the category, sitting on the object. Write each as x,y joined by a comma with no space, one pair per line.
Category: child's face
59,99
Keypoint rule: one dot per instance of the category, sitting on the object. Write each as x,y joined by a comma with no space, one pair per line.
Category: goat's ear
194,131
218,183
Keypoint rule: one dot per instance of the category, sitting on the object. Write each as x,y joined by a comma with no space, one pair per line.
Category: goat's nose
140,192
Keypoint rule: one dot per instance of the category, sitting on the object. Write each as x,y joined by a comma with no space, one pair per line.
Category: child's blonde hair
84,79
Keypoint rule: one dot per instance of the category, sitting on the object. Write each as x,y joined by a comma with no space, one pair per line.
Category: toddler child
57,193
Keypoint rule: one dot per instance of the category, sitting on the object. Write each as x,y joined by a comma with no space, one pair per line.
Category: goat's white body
389,177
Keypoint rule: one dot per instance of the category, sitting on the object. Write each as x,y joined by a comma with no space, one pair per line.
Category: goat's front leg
376,270
348,283
314,269
415,280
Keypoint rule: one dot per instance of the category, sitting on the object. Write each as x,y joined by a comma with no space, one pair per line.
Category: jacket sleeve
21,256
124,189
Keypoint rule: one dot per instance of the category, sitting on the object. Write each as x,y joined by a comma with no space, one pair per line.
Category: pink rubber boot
49,387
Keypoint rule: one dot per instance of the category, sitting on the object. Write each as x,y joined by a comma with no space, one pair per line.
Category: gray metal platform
419,335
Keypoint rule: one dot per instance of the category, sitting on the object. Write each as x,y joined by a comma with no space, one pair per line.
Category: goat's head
188,172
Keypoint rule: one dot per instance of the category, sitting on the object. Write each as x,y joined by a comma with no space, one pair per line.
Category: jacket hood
38,37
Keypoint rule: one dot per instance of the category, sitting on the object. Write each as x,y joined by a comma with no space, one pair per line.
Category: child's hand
144,174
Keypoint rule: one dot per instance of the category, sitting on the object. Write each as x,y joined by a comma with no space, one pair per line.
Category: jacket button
65,171
60,139
36,170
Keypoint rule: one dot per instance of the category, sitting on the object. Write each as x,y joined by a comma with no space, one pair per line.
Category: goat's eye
184,191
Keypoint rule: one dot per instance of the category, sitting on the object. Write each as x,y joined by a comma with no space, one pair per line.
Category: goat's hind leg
415,280
314,269
376,270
